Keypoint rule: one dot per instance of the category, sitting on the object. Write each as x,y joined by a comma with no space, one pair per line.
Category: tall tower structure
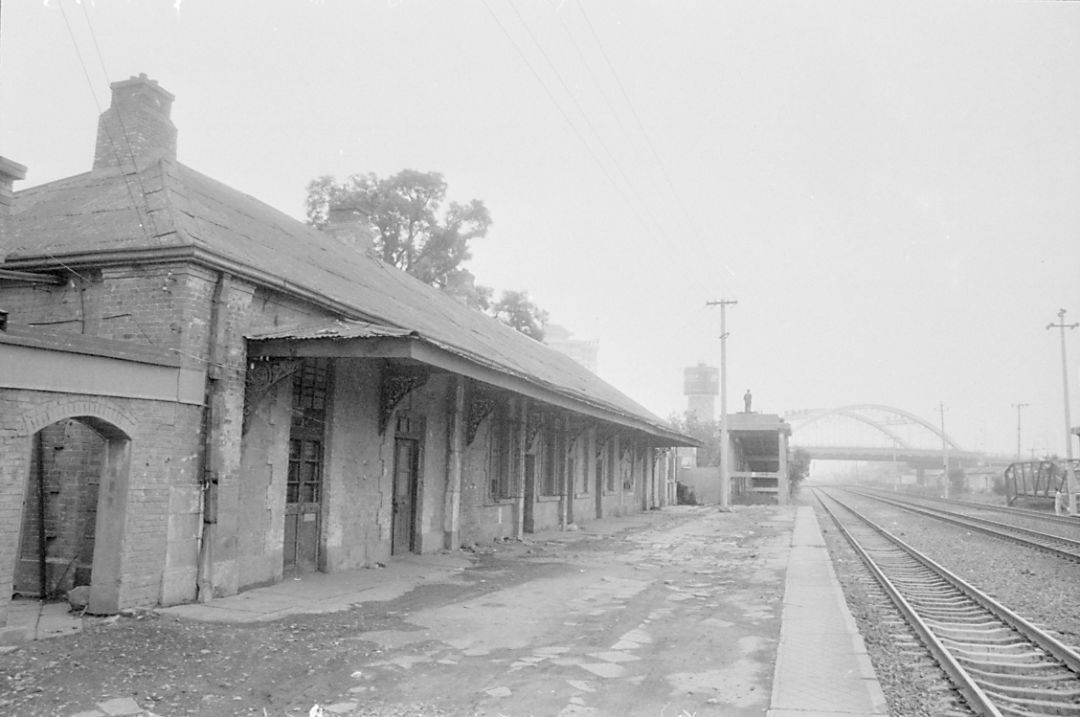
701,384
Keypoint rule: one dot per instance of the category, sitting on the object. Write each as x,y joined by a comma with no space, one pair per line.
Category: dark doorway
59,523
406,478
303,505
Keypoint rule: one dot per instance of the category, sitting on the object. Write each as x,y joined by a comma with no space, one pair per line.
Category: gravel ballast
1041,588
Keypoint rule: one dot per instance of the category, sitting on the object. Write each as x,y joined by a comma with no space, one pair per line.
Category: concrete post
455,451
566,489
783,487
592,485
519,411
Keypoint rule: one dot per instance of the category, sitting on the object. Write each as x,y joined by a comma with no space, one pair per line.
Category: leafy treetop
413,232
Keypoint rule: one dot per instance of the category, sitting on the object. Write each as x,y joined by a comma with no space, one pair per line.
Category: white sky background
890,191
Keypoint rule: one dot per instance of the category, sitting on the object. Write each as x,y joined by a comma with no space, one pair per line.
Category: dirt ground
673,614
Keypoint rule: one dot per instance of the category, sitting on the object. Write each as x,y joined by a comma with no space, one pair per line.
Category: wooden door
406,477
303,488
303,505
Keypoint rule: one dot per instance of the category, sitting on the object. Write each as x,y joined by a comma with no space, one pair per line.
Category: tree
412,231
516,311
798,469
708,432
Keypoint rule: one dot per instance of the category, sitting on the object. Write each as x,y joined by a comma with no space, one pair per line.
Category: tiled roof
90,217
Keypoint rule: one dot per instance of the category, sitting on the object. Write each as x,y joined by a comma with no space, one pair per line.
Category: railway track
1041,516
1058,545
999,662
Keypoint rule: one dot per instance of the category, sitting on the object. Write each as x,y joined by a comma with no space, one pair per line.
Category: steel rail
1015,533
1070,520
998,685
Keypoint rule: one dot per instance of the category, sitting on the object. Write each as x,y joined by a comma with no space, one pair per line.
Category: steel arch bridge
873,432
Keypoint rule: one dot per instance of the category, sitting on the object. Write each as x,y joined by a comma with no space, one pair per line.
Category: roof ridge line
170,208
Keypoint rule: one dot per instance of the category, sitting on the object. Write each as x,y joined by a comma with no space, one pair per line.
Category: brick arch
117,428
105,416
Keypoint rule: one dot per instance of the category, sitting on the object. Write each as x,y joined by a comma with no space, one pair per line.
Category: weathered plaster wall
430,401
264,474
483,518
358,471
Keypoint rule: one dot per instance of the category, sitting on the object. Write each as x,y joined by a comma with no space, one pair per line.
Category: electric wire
637,118
588,68
558,106
581,110
108,135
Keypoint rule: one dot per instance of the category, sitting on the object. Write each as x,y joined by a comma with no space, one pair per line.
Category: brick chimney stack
10,172
350,227
136,126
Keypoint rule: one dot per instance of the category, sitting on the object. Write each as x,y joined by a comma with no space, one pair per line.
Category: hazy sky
891,191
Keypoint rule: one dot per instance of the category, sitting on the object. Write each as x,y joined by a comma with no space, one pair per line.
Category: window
549,462
601,447
499,456
578,468
310,388
627,465
305,471
611,461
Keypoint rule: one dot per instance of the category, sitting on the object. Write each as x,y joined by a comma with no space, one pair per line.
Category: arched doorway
73,512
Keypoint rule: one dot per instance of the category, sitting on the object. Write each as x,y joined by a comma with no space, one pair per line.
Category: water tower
701,384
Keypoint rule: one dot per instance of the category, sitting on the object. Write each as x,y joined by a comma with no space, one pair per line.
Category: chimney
136,128
350,227
10,172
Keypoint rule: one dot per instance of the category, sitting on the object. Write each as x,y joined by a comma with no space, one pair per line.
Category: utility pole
725,474
944,447
1070,474
1018,406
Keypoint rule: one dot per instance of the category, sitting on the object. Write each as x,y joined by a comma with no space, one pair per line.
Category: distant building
759,457
562,340
701,384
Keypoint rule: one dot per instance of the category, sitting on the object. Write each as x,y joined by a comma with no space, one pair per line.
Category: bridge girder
853,411
917,457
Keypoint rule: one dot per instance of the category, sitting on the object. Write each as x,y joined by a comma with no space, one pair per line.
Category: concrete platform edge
793,671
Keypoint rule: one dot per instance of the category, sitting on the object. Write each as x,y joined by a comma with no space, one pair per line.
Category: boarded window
499,456
550,462
612,464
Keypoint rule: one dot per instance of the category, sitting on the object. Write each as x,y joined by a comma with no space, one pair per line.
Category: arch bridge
874,432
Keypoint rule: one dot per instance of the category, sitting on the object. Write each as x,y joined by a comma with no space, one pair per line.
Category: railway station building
201,394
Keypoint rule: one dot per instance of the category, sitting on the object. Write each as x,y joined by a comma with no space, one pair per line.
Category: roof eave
445,359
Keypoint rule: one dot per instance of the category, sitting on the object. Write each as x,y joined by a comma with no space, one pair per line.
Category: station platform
822,667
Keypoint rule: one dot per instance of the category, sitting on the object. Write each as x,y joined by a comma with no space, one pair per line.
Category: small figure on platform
746,400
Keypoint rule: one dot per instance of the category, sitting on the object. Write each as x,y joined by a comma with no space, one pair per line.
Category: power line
105,126
581,110
588,68
562,111
637,118
93,36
